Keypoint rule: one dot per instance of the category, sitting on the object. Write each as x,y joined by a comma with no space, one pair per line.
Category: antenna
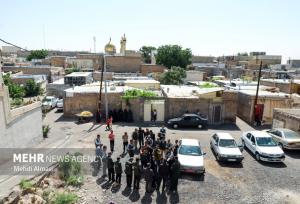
94,39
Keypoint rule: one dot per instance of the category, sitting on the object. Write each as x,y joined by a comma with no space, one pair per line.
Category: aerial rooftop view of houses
207,110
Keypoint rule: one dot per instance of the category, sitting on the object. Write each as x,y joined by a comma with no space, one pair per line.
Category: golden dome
110,48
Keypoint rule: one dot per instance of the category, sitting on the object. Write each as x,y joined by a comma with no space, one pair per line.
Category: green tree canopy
32,88
37,54
173,55
15,90
146,53
174,76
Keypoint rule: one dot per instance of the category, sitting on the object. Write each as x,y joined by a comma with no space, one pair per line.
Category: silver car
286,138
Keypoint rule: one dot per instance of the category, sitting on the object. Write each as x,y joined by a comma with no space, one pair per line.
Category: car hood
46,103
192,161
270,150
230,151
174,119
292,140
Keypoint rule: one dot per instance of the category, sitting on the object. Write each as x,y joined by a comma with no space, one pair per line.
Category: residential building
78,78
286,118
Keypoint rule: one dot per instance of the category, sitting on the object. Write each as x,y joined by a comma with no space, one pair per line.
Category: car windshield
227,143
265,141
190,150
47,100
291,135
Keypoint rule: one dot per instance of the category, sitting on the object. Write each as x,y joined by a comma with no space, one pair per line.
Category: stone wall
123,63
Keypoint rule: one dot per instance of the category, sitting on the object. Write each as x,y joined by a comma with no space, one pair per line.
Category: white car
49,102
262,145
60,105
190,156
225,147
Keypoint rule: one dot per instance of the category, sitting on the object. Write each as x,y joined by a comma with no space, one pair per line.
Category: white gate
158,105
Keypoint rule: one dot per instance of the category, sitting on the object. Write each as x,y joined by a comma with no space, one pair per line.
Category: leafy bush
17,102
65,198
25,184
208,85
174,76
135,93
71,170
70,70
15,90
32,88
46,130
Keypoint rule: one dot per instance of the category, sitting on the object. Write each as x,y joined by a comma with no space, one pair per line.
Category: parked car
49,102
188,120
60,105
286,139
190,156
225,148
262,145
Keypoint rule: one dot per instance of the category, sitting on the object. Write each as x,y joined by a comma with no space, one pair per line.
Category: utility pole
105,85
257,89
98,117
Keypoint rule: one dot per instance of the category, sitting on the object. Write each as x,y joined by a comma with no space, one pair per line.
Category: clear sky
210,27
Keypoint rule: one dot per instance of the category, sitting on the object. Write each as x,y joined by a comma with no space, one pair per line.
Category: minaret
123,45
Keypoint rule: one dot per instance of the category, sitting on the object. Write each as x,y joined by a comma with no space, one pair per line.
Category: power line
13,45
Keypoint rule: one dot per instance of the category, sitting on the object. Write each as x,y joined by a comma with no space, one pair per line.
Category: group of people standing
150,157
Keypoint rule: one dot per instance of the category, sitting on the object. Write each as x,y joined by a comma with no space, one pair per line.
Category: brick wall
150,68
123,63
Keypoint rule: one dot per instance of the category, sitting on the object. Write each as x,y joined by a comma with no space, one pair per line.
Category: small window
278,133
187,118
248,136
215,137
253,139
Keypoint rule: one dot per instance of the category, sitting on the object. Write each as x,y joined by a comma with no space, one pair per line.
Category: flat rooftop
282,81
75,74
263,93
289,112
142,81
96,89
186,91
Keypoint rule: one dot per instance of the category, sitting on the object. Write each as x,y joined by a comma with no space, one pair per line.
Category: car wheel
175,126
200,126
281,146
218,157
257,157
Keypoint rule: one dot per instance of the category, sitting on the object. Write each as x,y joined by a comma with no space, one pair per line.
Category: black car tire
200,126
257,156
281,146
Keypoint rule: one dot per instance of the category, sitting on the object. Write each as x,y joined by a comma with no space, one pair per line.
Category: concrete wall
56,89
21,127
89,102
123,63
230,106
246,106
289,121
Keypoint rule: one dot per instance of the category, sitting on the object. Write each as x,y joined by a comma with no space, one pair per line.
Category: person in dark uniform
128,172
137,173
125,115
175,173
175,148
130,116
120,114
141,137
118,170
163,173
148,175
111,169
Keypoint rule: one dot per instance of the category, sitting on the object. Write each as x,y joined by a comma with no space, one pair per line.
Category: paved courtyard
252,182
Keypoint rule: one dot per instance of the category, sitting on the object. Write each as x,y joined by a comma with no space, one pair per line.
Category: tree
174,76
146,53
37,54
173,55
15,90
32,88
